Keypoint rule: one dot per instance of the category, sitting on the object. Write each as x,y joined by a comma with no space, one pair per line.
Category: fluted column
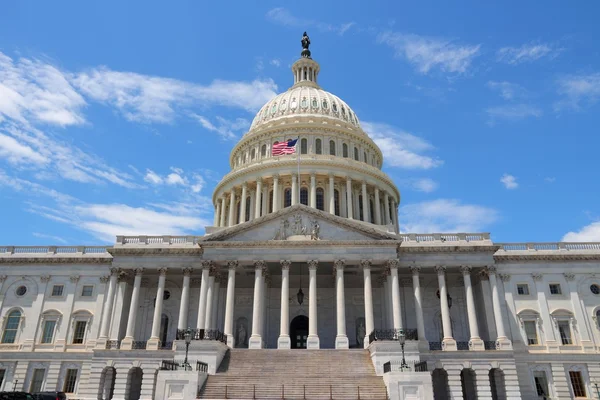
341,339
365,203
503,342
252,204
448,343
257,201
215,302
154,341
386,208
284,320
395,216
206,266
209,299
110,298
349,201
243,203
369,325
185,300
217,213
331,195
313,191
232,208
475,342
257,308
295,198
275,192
312,342
127,342
395,286
418,302
228,326
222,216
377,207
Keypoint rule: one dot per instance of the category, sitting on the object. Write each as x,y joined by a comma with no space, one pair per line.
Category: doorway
299,332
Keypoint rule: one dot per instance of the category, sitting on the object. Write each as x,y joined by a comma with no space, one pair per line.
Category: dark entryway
299,332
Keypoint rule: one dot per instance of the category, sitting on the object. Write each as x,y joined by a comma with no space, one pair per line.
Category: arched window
365,159
332,148
372,211
237,212
270,202
360,207
247,209
336,198
304,146
12,327
252,154
287,197
345,150
598,318
304,196
318,147
263,150
356,154
320,199
164,328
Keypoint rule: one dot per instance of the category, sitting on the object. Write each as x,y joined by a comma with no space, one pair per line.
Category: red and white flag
280,149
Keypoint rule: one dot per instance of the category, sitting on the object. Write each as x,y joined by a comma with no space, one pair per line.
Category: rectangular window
79,333
577,384
87,290
523,289
555,288
531,332
70,380
37,380
2,373
564,329
48,331
57,290
541,383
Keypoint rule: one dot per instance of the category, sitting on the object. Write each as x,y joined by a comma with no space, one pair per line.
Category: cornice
441,248
54,260
509,258
307,244
143,250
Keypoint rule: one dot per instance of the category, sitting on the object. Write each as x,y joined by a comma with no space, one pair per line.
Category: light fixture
187,336
300,294
402,340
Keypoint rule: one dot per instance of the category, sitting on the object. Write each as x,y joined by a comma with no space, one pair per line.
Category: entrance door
299,332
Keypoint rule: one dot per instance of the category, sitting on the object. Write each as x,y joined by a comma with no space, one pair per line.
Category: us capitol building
303,288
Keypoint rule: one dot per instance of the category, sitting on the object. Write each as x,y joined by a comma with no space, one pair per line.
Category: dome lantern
305,69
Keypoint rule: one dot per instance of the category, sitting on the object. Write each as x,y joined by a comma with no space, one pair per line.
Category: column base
255,342
284,342
153,344
366,342
449,344
101,343
127,343
423,346
342,342
230,341
476,344
312,342
587,346
503,343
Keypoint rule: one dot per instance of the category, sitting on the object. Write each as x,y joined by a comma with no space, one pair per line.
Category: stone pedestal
176,385
153,344
476,344
409,385
101,343
127,343
313,343
449,344
341,342
503,344
255,342
284,342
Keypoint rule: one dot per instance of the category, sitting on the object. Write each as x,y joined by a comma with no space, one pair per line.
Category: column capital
492,269
187,271
285,264
339,264
104,279
207,264
259,180
415,269
313,264
162,271
504,277
365,264
275,176
245,185
3,278
233,264
260,264
114,271
465,269
43,278
569,276
537,276
440,269
393,263
74,278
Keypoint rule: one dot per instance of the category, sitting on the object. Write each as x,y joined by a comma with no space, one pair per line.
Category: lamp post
187,336
402,340
15,385
597,390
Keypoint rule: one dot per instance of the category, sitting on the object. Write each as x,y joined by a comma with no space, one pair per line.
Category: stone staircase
295,374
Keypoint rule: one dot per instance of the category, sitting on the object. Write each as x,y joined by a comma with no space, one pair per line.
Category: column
185,300
331,195
255,341
217,212
448,343
154,341
295,198
369,325
232,208
275,192
257,201
284,320
228,325
418,302
349,196
312,342
209,300
389,318
313,191
252,204
206,266
586,342
502,343
386,208
215,302
377,207
341,339
110,298
366,203
395,216
127,342
222,214
243,203
396,310
265,203
475,342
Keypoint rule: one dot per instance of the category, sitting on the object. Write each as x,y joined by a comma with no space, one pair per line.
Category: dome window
325,105
332,148
293,104
345,150
263,150
303,146
304,103
318,147
355,154
283,105
315,103
274,108
343,111
320,199
334,107
253,154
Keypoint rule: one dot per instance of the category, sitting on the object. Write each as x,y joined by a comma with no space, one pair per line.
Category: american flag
282,148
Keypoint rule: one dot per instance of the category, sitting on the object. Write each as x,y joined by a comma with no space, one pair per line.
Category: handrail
392,334
558,246
202,334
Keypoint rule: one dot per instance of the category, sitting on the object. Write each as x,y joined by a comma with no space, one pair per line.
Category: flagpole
298,157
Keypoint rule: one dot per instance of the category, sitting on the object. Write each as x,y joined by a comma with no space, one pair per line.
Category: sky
119,117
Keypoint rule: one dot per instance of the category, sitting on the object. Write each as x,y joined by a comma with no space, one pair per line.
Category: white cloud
275,62
429,53
527,53
400,149
284,17
507,90
225,128
424,185
153,178
51,237
577,89
509,181
589,233
549,179
513,112
446,215
194,182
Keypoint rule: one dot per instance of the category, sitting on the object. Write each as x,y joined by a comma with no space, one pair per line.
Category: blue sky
118,117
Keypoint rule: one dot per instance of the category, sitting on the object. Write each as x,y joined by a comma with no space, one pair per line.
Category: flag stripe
283,148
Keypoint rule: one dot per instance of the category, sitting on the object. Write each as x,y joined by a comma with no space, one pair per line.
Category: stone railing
148,240
54,249
444,237
562,246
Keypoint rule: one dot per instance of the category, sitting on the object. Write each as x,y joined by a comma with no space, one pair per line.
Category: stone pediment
300,223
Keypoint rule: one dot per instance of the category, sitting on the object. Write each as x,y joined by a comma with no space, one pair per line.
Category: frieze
54,260
135,251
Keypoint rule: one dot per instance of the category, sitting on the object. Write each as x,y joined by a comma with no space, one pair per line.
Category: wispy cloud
512,112
528,52
227,129
283,16
423,185
509,181
177,177
400,148
50,237
589,233
275,62
578,90
508,90
446,215
427,53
